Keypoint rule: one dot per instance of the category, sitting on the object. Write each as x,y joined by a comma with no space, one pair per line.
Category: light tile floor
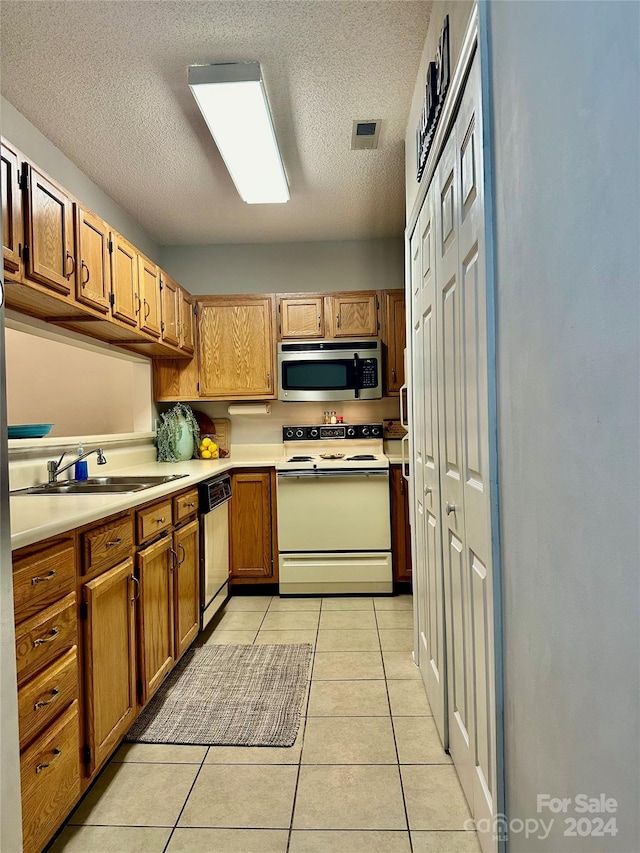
367,773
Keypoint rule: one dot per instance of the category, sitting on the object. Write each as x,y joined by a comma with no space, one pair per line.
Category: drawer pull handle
41,703
54,633
191,504
114,542
48,577
57,752
160,520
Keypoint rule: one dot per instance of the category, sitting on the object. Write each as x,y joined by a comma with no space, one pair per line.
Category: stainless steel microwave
329,370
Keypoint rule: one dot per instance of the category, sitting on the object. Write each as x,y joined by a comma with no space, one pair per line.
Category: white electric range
334,526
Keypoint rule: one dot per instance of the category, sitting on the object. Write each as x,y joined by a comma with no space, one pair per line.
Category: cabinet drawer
107,544
153,520
45,696
185,506
50,777
41,639
41,577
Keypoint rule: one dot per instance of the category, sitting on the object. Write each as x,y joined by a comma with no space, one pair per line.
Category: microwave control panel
369,372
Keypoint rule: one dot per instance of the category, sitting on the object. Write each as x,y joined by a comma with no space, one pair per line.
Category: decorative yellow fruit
213,446
206,454
206,441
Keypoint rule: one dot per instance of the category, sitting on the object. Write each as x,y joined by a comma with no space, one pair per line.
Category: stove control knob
351,432
375,431
313,433
288,433
365,431
299,433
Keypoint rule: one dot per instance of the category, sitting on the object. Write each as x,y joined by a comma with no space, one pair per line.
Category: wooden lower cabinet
155,567
253,557
186,586
400,529
50,779
109,659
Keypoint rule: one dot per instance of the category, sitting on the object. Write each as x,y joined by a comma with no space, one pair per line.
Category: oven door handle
353,472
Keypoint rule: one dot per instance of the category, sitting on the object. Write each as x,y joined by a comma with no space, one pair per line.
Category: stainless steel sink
124,484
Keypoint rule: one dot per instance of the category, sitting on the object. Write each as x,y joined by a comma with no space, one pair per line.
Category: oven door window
330,375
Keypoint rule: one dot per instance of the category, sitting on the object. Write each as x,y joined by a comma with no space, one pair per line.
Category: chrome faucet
53,467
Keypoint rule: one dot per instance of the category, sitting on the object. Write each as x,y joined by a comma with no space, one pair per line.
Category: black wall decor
438,74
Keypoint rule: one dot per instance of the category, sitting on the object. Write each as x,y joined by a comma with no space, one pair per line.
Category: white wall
565,84
19,130
287,267
80,387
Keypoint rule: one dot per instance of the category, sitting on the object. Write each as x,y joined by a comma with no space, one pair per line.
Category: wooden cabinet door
186,586
109,658
354,315
394,339
155,615
93,283
236,347
301,316
251,526
170,309
12,225
187,322
124,280
50,256
149,290
400,530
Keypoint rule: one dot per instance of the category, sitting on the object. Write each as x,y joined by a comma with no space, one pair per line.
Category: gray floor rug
229,696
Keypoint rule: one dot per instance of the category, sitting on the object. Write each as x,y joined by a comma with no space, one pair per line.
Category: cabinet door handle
319,320
41,703
450,508
337,321
393,373
137,297
50,576
137,583
57,752
174,560
114,542
147,309
184,554
54,633
73,266
268,378
85,281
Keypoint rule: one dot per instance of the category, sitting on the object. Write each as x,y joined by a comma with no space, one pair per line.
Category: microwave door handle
356,390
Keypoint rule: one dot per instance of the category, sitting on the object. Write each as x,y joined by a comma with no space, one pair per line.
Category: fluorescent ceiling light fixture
233,101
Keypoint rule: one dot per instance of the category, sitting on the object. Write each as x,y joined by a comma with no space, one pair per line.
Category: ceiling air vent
365,134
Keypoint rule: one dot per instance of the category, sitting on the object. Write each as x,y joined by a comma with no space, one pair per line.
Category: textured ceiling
106,83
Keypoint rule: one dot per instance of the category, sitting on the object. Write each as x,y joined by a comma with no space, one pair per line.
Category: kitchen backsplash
267,429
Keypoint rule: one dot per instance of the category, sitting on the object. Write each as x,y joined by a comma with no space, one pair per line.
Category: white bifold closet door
451,489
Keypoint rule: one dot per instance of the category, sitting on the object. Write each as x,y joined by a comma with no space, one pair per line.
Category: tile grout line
304,731
395,742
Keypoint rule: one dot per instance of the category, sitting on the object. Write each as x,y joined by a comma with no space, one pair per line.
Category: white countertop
37,517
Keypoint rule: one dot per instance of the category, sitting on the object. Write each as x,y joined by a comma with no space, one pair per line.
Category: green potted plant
178,434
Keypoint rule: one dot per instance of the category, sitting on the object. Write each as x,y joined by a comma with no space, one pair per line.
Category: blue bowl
30,430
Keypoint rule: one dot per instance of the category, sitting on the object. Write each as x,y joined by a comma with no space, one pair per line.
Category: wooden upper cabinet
149,290
93,282
187,322
301,316
353,315
124,280
170,294
12,224
236,346
50,254
394,339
